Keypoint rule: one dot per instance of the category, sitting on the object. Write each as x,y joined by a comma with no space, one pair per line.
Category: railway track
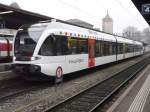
90,99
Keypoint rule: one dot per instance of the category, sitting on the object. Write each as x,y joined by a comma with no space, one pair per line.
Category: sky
123,12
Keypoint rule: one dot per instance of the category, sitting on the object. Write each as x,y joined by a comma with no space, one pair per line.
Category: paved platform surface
7,75
136,97
5,71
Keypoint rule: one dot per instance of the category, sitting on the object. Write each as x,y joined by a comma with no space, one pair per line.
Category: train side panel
104,60
76,62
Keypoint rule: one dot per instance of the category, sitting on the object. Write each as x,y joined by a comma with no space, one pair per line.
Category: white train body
56,48
147,48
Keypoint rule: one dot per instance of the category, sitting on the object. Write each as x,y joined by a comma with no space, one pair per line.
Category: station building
12,17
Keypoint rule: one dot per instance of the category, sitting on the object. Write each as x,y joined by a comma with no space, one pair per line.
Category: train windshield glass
26,40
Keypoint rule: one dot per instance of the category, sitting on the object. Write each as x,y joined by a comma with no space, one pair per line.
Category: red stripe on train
4,47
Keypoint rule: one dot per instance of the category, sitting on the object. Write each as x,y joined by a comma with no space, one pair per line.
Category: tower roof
15,5
107,17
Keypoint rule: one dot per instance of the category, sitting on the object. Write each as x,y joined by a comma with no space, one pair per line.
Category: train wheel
59,75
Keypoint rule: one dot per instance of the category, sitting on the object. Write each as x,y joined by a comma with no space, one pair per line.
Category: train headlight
34,58
14,58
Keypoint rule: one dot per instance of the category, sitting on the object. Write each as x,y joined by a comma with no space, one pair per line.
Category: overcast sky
123,12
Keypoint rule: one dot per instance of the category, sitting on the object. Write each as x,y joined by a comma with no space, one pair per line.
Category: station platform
6,75
5,71
136,98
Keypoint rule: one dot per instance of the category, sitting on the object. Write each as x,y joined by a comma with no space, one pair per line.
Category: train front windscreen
26,40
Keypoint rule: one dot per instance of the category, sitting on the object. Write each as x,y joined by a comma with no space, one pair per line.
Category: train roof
138,43
6,34
61,28
75,31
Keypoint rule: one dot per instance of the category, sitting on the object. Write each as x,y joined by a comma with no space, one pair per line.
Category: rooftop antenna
107,11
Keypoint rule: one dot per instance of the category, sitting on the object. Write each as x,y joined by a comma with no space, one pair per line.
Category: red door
91,51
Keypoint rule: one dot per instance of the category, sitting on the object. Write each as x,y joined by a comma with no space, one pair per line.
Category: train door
124,49
91,52
8,48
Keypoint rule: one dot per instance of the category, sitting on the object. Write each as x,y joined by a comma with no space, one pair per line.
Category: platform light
6,12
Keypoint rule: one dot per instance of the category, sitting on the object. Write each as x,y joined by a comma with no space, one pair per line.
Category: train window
48,47
106,49
61,46
77,45
102,48
25,42
125,49
64,43
129,48
81,46
97,48
72,45
110,48
137,48
120,48
113,48
54,45
134,48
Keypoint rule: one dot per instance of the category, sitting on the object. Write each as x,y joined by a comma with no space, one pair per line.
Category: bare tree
132,33
138,35
146,35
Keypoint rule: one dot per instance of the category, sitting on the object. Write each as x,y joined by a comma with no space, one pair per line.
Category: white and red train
55,48
6,47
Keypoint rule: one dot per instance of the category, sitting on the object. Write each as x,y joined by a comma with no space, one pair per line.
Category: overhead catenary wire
97,17
128,12
91,15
